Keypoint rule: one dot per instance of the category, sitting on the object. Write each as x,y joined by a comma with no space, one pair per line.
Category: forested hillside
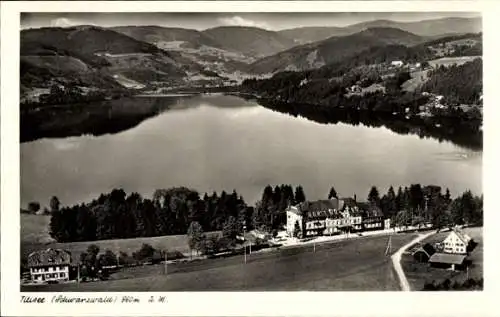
332,50
459,84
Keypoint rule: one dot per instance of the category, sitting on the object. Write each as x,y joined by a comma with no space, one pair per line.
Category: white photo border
246,303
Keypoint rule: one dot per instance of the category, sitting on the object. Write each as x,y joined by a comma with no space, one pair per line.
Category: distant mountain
193,45
428,28
158,35
311,34
96,58
250,41
332,50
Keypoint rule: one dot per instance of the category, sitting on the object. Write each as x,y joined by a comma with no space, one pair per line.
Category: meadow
35,236
357,264
448,61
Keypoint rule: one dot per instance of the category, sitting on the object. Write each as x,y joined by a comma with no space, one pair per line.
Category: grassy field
420,273
170,243
35,236
35,229
354,265
418,78
448,61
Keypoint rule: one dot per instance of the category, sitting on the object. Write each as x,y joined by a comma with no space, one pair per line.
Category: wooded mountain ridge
135,58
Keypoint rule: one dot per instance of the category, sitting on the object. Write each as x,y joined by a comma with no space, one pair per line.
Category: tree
89,261
54,204
373,196
332,194
392,205
195,234
34,207
296,229
108,259
231,229
146,252
299,194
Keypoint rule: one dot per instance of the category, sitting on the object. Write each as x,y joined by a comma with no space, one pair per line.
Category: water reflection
223,143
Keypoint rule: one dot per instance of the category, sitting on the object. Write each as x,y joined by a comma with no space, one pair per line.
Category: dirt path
396,260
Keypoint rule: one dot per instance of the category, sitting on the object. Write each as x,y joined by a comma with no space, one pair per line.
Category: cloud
62,22
239,21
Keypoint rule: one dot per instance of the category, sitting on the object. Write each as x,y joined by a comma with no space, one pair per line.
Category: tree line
180,210
469,284
117,215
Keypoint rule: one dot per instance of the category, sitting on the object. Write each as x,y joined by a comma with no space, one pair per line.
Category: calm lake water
223,143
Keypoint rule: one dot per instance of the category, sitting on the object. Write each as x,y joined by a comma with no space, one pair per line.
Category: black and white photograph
248,151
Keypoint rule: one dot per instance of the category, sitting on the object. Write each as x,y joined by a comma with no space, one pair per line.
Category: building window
62,275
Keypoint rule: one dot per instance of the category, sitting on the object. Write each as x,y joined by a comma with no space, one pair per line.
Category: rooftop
49,257
447,258
462,236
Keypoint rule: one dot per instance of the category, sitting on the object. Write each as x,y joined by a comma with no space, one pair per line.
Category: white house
49,265
456,242
397,63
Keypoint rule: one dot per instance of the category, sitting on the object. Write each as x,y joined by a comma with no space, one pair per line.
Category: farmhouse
456,242
49,265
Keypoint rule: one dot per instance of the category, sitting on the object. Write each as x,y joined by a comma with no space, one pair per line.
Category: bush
146,252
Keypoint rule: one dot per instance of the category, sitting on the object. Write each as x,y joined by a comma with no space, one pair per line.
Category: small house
49,265
355,89
397,63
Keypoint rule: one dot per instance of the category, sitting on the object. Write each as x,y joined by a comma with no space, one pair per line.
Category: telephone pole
244,244
165,266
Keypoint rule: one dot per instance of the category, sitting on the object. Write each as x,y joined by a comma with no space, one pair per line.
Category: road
396,260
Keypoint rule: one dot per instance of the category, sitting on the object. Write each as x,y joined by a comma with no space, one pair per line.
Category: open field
448,61
357,265
35,228
420,273
170,243
418,78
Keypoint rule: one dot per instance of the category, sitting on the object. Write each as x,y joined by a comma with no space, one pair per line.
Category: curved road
396,260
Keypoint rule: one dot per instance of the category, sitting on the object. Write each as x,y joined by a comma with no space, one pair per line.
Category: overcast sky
201,21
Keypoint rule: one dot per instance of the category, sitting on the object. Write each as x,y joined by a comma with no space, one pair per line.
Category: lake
214,143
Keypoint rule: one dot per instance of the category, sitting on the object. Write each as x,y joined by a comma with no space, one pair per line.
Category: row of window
54,275
49,269
457,244
457,250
